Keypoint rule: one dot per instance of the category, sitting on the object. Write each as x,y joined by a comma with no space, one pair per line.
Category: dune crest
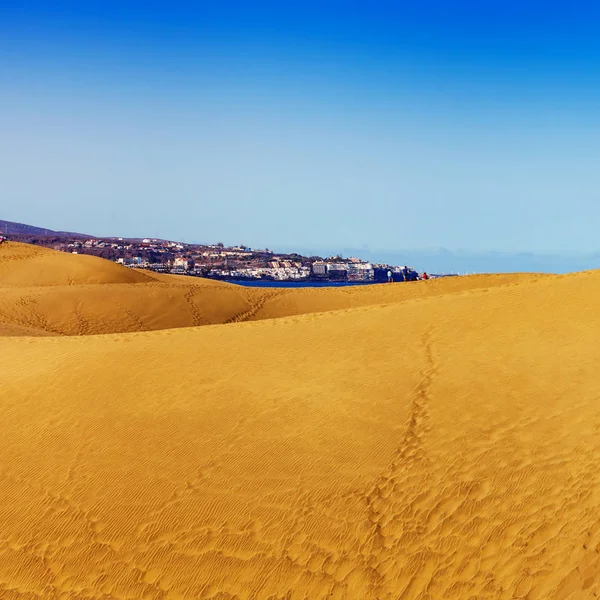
63,294
24,265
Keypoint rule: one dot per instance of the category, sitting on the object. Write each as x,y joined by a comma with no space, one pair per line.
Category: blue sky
470,126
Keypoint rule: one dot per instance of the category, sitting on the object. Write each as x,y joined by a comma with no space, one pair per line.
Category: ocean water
295,284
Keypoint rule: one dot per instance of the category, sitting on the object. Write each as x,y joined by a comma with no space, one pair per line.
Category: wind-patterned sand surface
439,447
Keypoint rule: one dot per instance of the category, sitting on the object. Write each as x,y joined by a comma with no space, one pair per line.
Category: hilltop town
218,261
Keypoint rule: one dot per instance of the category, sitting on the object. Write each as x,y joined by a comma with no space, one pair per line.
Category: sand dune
10,329
102,297
435,447
27,265
65,294
312,300
102,308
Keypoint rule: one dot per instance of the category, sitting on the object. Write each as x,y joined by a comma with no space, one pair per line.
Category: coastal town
218,261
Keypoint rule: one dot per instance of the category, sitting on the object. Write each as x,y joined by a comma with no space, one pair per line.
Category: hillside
12,228
442,447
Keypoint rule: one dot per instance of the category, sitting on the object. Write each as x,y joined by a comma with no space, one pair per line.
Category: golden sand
417,442
23,265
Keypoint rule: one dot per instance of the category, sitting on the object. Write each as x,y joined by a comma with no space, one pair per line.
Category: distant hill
11,228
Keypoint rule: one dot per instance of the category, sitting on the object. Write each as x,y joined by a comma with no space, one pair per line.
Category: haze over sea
391,127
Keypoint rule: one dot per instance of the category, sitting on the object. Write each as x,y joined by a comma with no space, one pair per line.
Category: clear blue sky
388,125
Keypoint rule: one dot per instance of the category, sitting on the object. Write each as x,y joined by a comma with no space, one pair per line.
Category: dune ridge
443,446
127,300
25,265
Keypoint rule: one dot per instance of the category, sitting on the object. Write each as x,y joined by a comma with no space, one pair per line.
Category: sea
267,283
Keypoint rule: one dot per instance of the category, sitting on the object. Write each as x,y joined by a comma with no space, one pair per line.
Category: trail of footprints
255,305
390,498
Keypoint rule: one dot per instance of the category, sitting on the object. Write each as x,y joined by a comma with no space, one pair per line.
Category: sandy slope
441,447
311,300
10,329
102,308
27,265
64,294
